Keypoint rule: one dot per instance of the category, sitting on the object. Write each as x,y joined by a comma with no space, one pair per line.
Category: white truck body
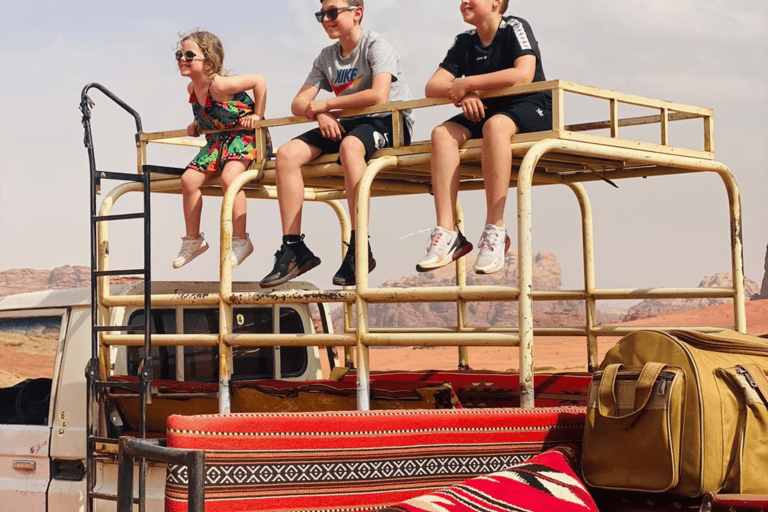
42,466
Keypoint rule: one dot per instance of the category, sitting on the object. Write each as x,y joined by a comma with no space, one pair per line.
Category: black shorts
373,132
528,116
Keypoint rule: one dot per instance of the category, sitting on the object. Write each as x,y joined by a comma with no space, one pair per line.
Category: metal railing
567,155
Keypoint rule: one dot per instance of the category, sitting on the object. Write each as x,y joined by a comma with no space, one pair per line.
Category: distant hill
656,307
23,280
547,275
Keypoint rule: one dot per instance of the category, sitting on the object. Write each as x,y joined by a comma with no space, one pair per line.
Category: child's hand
250,121
193,130
473,107
316,107
330,127
459,88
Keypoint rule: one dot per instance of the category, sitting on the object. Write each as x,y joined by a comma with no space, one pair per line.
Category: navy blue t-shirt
468,57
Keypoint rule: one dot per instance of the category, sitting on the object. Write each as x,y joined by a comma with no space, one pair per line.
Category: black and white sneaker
288,265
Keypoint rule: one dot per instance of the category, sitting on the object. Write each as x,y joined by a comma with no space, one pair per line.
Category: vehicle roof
47,299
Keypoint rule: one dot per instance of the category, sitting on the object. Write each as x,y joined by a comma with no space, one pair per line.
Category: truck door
29,342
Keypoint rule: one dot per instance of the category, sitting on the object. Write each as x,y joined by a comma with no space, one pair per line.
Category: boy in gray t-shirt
362,69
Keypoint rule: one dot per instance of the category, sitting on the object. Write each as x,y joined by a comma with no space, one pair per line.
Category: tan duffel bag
680,411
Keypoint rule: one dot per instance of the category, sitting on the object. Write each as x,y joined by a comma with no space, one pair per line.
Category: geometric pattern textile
355,460
546,482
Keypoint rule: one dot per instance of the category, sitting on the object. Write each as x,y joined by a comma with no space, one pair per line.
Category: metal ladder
100,325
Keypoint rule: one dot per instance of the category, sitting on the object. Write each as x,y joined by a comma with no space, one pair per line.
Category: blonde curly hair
213,50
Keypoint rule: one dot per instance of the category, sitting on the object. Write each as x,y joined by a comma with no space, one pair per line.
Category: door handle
24,465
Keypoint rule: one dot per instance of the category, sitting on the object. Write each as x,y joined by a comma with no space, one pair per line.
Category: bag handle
606,402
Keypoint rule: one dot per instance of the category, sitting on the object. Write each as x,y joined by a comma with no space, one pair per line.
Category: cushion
546,482
356,460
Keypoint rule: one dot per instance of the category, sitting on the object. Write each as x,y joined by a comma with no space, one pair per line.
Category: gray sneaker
191,248
241,249
494,244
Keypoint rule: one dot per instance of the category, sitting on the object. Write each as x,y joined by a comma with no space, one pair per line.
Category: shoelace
486,242
434,238
187,246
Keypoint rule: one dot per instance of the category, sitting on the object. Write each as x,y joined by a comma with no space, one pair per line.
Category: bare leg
290,183
232,169
497,165
446,140
192,200
352,156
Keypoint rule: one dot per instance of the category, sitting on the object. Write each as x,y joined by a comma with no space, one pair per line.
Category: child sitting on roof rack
218,102
500,52
362,69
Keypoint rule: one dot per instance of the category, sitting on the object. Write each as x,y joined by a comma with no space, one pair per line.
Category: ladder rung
122,216
125,272
125,176
106,497
110,328
161,169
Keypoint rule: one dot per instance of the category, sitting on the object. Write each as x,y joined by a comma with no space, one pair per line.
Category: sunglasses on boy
188,56
332,13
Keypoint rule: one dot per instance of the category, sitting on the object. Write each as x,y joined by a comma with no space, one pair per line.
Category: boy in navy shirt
500,51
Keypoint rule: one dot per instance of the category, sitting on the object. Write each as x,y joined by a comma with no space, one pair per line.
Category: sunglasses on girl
332,13
188,56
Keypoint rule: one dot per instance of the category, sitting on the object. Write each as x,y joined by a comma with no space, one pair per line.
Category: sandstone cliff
22,280
649,308
547,275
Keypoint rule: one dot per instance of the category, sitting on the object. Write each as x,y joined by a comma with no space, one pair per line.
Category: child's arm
521,73
306,94
329,126
193,130
439,85
378,94
224,87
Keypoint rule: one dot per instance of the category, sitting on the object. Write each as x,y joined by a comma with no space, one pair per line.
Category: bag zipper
665,378
751,381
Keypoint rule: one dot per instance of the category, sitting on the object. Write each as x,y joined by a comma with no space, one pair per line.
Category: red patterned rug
355,460
545,483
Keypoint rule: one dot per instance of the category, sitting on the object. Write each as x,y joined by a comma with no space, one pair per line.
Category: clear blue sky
709,53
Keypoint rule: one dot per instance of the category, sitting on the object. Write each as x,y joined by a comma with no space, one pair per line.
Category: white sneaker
241,249
494,244
191,248
443,247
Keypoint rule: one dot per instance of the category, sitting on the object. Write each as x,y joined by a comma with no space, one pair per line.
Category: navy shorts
373,132
528,116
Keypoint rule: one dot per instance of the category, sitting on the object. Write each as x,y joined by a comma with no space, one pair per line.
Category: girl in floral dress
218,102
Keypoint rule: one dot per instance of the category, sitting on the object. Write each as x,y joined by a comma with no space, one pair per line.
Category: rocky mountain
22,280
649,308
764,287
547,275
